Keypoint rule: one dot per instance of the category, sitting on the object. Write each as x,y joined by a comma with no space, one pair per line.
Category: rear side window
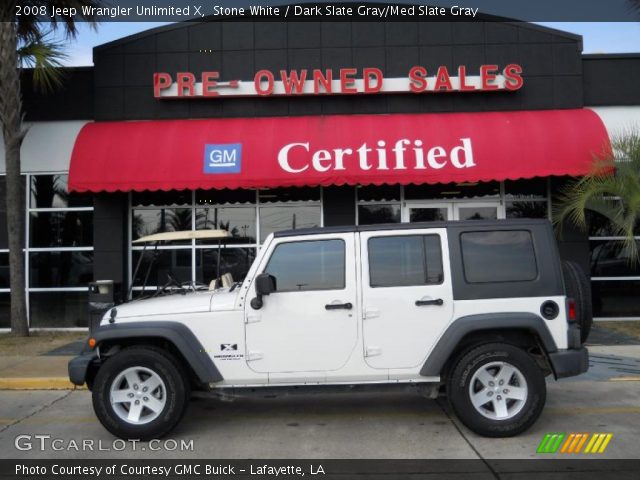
500,256
405,260
309,265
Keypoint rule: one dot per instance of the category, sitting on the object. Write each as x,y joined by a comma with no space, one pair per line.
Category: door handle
338,306
422,303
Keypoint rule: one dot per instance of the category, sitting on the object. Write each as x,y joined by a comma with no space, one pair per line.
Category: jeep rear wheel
497,390
140,393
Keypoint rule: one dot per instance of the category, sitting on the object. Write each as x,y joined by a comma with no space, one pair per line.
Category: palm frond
45,57
611,190
29,27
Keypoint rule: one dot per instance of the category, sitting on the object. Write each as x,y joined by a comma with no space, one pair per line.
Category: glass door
476,211
428,212
461,210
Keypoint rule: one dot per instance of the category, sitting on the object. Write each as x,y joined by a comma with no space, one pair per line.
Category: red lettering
347,81
208,83
369,74
417,79
187,81
324,81
513,77
487,74
462,75
261,76
443,82
293,83
161,81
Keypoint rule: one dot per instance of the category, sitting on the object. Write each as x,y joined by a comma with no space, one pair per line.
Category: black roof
508,223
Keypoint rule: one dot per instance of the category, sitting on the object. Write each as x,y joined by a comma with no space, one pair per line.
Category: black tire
525,412
175,393
578,287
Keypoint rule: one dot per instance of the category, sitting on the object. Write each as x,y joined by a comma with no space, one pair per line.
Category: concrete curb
38,383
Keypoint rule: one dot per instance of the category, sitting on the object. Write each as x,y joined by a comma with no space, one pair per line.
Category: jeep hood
192,302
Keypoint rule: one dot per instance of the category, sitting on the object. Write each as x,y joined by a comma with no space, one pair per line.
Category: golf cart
173,285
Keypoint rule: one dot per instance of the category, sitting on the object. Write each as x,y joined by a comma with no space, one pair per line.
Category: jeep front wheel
497,390
140,393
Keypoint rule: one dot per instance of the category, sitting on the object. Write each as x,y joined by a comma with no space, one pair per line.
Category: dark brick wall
72,100
611,79
124,69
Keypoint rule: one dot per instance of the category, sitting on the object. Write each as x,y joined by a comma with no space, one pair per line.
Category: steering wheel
172,281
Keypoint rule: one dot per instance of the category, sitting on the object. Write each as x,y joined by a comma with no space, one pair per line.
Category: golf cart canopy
184,235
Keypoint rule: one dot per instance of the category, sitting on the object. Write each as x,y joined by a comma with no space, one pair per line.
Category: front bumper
569,363
79,366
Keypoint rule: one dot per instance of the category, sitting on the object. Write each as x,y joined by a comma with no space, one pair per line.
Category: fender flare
177,333
432,367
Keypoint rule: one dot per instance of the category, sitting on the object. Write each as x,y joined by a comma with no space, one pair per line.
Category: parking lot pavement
323,426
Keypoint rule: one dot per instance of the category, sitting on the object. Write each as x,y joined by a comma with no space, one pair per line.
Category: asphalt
614,356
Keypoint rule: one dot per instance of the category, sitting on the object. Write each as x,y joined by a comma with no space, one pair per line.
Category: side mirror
265,284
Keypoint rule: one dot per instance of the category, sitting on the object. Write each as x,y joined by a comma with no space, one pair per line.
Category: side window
405,260
500,256
308,265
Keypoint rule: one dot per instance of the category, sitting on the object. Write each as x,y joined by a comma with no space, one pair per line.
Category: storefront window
50,191
382,193
5,310
236,211
164,263
614,277
287,217
378,213
61,229
4,269
173,198
154,220
617,298
235,261
525,189
58,309
60,252
532,209
225,197
60,269
452,190
240,222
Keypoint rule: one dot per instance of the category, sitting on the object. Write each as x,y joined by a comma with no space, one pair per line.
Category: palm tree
615,196
24,41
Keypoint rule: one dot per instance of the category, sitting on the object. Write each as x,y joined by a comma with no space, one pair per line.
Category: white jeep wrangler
482,309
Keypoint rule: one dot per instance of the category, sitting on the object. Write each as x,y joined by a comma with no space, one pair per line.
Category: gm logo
223,158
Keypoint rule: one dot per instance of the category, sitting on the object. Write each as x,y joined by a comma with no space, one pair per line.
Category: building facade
334,122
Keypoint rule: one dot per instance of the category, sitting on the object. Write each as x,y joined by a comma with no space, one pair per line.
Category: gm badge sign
222,158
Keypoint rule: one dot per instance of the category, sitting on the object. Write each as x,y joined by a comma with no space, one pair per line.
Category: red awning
335,150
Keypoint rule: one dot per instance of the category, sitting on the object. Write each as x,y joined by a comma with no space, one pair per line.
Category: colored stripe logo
574,443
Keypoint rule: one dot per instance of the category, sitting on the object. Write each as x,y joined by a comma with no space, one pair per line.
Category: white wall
47,146
617,120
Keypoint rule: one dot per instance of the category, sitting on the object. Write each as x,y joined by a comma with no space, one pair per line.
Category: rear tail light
571,310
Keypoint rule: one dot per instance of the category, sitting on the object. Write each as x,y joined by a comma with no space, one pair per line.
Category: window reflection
50,191
287,217
61,229
235,261
60,269
373,214
240,222
163,263
311,265
612,258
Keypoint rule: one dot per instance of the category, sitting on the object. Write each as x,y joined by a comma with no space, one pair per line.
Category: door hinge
253,355
370,313
252,319
372,351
